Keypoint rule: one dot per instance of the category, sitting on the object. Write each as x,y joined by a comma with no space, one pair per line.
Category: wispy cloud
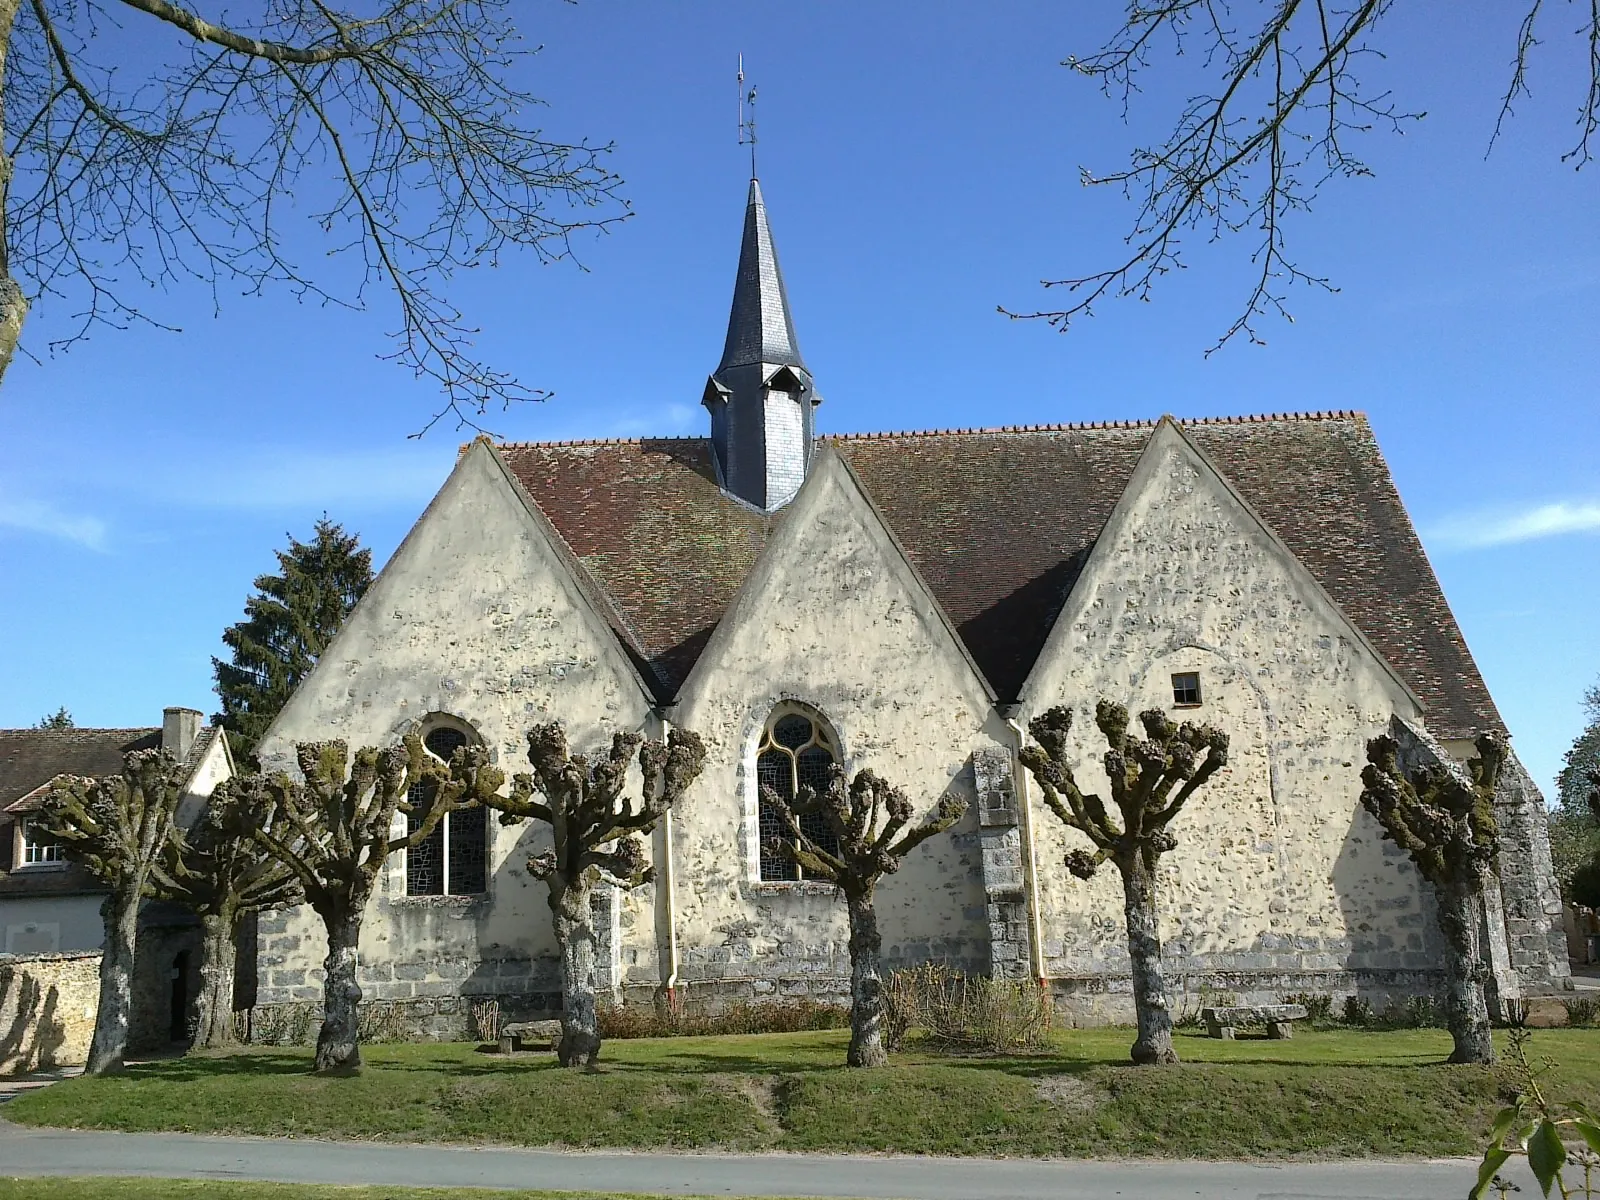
1475,531
38,516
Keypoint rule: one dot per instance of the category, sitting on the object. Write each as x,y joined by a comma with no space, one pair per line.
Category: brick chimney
179,729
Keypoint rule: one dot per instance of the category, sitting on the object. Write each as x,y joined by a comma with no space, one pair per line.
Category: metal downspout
1031,875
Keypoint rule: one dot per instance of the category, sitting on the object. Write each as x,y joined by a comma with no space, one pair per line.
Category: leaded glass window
796,751
453,860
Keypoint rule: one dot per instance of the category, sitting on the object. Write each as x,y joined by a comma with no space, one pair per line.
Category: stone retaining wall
47,1007
440,1019
1085,1001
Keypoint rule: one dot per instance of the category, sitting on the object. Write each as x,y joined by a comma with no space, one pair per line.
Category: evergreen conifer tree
288,624
60,719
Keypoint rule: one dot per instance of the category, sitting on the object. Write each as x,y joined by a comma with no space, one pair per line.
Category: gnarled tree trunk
575,938
1466,1012
866,984
110,1044
339,1039
217,967
1154,1042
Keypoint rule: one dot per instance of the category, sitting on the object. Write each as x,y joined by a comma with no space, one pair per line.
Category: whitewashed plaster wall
214,766
50,924
1277,869
477,616
833,617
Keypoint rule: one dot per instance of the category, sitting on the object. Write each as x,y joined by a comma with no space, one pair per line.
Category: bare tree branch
1256,152
402,134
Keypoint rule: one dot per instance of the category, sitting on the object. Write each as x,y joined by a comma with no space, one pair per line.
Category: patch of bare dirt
763,1092
1072,1092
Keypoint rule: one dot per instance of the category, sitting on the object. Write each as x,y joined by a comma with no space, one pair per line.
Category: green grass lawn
1322,1093
210,1189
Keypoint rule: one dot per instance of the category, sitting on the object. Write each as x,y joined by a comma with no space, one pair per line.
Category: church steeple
761,395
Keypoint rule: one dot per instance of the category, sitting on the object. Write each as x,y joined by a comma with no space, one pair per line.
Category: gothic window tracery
797,750
453,860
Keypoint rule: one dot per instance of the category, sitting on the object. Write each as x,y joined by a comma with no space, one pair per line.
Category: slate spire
761,395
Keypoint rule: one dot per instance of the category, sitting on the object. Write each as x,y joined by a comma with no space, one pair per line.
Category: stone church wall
1535,935
1280,881
475,620
834,619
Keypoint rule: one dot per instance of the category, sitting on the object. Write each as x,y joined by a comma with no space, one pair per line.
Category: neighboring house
50,906
908,602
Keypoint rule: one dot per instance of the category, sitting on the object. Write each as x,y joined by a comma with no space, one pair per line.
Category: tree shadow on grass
710,1063
217,1066
297,1061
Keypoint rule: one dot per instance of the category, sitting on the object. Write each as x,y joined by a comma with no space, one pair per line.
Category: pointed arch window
453,860
797,750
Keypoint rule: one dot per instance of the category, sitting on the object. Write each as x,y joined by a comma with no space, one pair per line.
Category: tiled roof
1000,522
30,758
39,755
657,536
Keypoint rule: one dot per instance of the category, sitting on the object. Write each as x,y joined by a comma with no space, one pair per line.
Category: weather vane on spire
747,117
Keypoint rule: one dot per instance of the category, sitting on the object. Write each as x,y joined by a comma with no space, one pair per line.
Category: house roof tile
31,758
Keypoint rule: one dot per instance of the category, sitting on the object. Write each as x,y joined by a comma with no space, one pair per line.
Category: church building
908,602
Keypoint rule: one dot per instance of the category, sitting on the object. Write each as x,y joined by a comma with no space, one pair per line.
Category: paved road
43,1152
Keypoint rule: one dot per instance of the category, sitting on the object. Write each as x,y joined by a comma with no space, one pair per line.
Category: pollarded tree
1152,778
222,872
120,828
1444,820
868,819
597,834
334,829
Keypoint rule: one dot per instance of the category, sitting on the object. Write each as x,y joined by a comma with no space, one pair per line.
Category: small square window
1186,689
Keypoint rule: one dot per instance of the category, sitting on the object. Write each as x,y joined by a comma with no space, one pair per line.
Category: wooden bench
530,1035
1278,1018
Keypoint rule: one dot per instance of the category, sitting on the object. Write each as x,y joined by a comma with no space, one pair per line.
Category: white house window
453,860
796,751
38,847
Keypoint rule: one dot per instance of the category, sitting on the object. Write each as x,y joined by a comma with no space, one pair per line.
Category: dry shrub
486,1020
1357,1012
967,1012
291,1024
1582,1010
796,1015
384,1021
1318,1005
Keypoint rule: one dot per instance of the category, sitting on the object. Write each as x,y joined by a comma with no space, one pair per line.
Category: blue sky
919,170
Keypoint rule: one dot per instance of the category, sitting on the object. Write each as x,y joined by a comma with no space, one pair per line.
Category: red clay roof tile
1000,522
